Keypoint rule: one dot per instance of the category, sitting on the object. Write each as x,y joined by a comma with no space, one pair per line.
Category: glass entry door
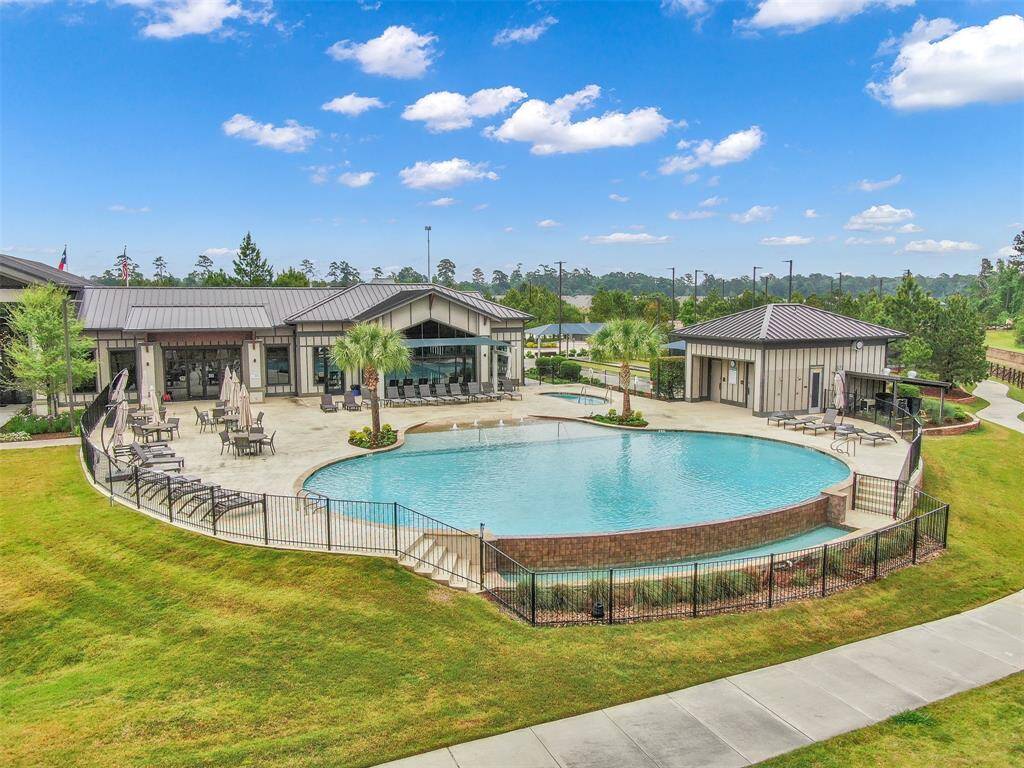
328,378
196,373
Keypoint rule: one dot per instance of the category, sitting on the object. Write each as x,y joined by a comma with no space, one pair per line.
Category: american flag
125,272
63,260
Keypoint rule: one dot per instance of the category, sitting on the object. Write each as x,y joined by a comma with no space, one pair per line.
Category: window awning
678,346
468,341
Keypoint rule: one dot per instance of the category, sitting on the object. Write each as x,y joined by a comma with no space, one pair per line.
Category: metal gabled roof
211,318
367,300
26,268
785,323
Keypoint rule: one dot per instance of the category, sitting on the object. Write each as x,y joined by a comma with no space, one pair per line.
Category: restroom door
816,377
715,381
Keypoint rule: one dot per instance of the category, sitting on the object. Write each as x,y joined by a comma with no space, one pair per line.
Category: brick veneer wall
654,545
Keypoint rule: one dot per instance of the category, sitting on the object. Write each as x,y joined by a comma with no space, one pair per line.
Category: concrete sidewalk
747,718
1002,410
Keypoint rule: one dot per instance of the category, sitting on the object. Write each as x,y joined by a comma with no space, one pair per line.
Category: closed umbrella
154,405
840,388
234,394
225,386
244,409
120,384
120,422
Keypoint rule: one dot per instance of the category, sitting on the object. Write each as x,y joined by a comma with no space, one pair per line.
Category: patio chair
258,421
392,397
229,502
256,429
781,418
218,414
475,393
206,422
442,394
425,396
327,404
799,423
509,388
269,441
225,441
350,403
199,415
454,391
408,394
174,426
242,444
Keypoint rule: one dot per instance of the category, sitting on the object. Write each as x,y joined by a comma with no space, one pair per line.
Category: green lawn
1002,340
128,642
983,728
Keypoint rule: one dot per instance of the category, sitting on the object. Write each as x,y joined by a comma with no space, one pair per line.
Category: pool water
576,397
568,477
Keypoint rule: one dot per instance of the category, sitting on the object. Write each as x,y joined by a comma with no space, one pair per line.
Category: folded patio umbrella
233,394
154,406
244,408
840,388
225,385
120,384
120,422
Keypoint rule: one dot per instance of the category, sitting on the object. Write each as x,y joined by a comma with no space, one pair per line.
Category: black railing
310,521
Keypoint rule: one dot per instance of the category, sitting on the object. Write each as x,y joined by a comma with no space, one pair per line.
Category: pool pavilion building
180,340
784,357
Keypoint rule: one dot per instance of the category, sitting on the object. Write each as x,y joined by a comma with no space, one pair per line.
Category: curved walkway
1002,410
747,718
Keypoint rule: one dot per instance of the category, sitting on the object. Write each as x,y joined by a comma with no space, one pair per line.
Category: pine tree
160,267
446,272
308,269
204,265
478,276
250,266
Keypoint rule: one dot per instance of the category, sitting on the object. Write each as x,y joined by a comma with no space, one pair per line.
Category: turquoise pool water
576,397
569,477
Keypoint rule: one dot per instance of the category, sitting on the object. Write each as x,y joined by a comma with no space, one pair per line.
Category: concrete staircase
436,558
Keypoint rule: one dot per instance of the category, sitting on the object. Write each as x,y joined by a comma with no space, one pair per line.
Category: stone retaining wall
1005,356
654,545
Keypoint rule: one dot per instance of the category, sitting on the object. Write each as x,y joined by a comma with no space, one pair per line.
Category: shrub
14,437
652,594
680,587
558,597
951,413
361,437
569,370
908,390
668,375
530,355
635,419
41,425
596,591
803,579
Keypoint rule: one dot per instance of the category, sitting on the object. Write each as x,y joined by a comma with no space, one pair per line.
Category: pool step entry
431,557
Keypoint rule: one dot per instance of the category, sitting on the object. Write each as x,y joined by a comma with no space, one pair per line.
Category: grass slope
1002,340
977,729
128,642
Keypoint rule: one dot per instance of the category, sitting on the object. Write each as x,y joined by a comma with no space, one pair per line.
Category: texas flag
63,260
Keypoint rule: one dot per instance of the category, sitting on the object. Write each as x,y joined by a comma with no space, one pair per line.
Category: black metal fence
1007,373
614,595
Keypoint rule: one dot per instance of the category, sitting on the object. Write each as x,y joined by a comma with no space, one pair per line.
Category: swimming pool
577,397
552,477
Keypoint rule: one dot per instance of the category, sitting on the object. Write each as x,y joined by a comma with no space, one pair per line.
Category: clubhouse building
180,340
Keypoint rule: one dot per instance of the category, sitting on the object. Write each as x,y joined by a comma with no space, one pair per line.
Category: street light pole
67,365
695,273
427,229
765,278
673,320
560,263
789,298
753,288
840,281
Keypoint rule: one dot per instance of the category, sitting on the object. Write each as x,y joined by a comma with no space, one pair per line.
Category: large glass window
121,359
87,385
279,366
196,372
327,377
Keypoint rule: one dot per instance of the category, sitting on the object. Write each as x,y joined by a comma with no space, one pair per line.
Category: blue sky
695,134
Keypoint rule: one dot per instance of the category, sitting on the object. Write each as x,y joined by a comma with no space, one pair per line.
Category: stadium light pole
753,288
427,229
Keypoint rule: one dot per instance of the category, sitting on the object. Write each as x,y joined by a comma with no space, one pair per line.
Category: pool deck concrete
308,438
747,718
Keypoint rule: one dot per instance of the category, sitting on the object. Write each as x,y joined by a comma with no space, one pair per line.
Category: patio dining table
158,429
256,439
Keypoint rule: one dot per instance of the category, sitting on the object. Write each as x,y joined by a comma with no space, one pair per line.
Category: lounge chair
393,398
424,393
800,423
781,418
875,437
475,393
171,463
327,404
442,394
408,394
350,403
509,388
487,388
454,391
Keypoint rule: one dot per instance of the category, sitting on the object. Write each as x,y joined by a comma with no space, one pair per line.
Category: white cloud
627,238
908,228
318,174
352,105
214,253
714,181
1006,252
694,9
444,174
118,208
443,202
170,19
940,246
713,202
290,137
937,67
754,213
448,111
810,213
481,207
787,240
398,52
878,218
509,229
887,240
550,129
524,34
618,198
690,215
356,179
548,223
800,15
734,148
866,185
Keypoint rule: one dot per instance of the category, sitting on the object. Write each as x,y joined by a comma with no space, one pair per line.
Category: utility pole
673,320
765,278
840,281
427,229
753,288
560,263
695,273
67,365
789,297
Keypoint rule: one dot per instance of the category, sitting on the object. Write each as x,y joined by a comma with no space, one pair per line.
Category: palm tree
623,340
374,349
